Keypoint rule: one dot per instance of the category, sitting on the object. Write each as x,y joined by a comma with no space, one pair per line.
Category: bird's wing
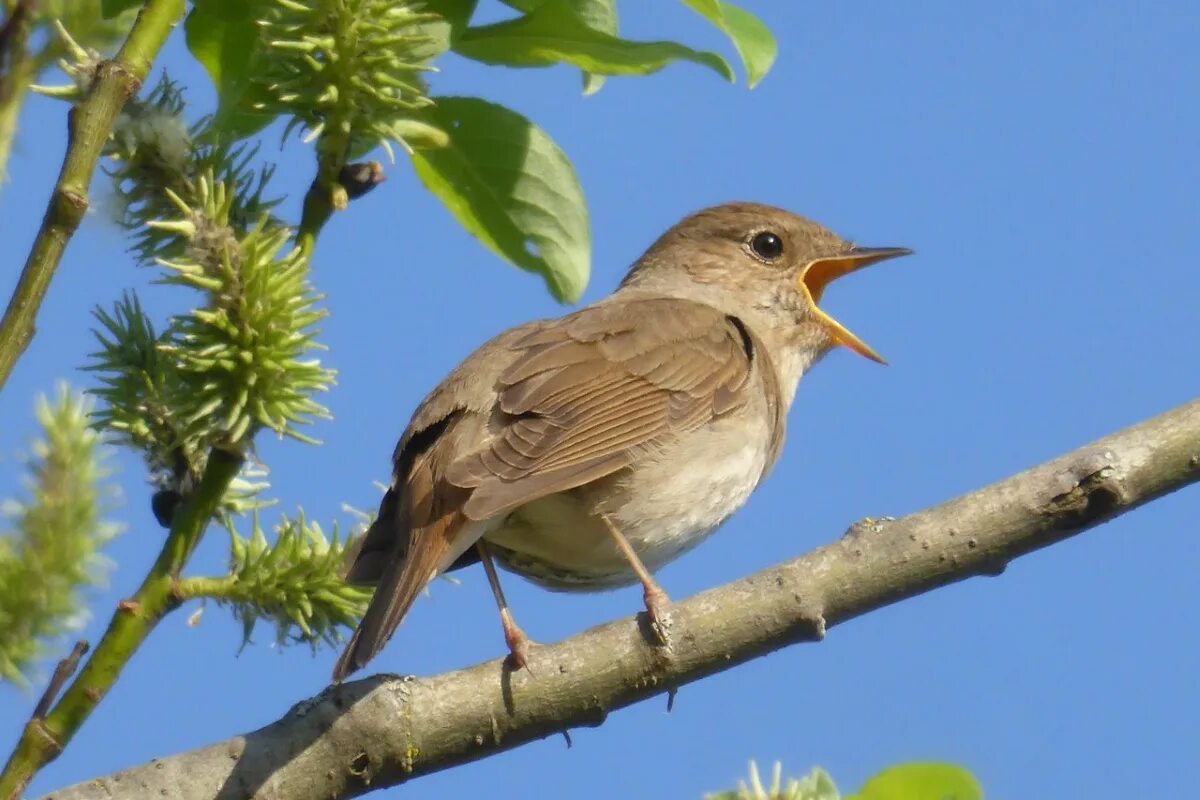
387,539
419,532
459,405
586,396
420,528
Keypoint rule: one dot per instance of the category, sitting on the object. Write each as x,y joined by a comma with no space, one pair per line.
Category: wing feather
420,531
585,396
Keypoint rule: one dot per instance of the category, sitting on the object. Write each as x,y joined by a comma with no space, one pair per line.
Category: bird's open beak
824,271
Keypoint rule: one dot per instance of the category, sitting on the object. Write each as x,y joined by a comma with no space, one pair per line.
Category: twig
88,126
65,669
327,193
224,588
385,730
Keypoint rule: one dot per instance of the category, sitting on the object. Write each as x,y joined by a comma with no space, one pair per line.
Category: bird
584,452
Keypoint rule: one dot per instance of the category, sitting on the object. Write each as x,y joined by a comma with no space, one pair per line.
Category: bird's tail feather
402,580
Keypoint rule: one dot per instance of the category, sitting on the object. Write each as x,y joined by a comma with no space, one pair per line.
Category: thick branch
88,126
385,730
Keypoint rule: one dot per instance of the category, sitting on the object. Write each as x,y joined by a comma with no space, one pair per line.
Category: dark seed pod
358,179
163,504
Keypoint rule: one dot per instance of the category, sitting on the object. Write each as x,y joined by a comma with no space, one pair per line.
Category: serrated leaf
223,36
553,33
114,8
751,38
921,781
511,186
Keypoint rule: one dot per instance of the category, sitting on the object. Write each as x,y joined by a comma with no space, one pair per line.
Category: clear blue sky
1041,159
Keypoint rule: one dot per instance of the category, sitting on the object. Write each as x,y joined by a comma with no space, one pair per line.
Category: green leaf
599,15
753,41
921,781
457,13
114,8
553,33
510,185
221,34
223,37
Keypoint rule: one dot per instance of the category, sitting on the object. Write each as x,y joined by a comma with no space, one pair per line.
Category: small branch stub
65,669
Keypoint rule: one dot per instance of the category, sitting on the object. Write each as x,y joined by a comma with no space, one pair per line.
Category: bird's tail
402,580
367,557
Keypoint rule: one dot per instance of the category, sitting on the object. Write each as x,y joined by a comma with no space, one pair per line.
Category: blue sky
1042,163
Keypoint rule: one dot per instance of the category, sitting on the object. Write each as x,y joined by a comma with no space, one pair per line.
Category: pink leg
514,637
657,602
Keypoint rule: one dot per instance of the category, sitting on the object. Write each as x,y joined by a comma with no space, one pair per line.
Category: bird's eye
767,246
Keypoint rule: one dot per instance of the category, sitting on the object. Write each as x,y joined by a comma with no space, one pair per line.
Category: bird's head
766,265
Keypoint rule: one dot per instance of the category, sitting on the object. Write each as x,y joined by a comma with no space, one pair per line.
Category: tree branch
88,126
385,730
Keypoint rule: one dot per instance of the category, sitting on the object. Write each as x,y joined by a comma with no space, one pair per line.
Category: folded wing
586,397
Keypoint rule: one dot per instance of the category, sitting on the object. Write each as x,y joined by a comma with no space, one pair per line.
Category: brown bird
586,451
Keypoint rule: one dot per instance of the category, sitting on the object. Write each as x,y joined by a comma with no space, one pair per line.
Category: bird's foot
518,643
658,608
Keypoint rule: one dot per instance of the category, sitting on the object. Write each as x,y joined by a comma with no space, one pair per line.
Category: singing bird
586,451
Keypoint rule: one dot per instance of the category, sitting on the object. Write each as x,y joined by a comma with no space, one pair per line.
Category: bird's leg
655,598
514,637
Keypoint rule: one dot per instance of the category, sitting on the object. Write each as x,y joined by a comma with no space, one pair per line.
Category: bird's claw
658,609
518,644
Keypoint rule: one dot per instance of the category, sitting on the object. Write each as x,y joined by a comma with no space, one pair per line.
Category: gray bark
385,730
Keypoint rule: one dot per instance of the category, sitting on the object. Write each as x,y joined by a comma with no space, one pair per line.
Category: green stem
326,194
223,588
88,126
134,619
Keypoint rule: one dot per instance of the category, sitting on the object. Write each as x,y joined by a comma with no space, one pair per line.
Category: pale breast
665,504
